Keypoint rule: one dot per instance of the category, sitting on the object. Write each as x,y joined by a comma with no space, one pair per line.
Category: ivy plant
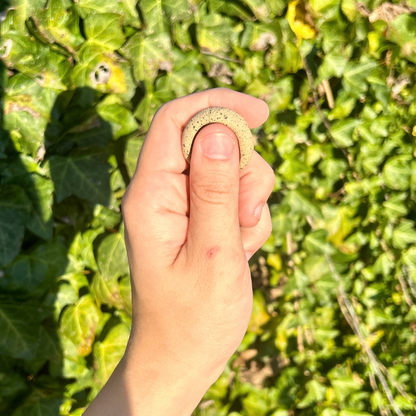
333,329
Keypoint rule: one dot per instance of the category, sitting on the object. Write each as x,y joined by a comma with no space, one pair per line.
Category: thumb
214,181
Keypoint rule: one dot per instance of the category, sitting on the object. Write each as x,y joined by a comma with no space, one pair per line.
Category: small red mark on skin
212,252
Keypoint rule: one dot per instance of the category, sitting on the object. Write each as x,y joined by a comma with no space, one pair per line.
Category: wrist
159,362
160,385
158,357
147,381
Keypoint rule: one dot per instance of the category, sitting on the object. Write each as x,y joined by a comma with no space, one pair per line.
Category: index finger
162,148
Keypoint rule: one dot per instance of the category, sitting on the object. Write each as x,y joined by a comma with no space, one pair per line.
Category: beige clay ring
224,116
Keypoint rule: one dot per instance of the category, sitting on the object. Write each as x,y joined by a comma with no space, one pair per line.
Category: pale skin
188,239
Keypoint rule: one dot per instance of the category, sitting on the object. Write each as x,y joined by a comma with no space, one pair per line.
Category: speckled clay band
224,116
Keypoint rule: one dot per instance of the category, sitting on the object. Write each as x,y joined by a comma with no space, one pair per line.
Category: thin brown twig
396,383
301,347
410,281
289,243
336,194
349,313
383,410
361,337
407,297
347,308
328,93
225,58
319,109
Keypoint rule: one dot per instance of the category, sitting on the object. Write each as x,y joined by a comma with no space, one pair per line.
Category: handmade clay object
224,116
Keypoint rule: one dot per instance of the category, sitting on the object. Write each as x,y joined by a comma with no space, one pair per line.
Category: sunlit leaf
109,352
104,30
125,8
148,54
79,324
160,14
112,257
296,16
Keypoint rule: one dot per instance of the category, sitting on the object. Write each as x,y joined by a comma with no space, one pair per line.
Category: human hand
187,237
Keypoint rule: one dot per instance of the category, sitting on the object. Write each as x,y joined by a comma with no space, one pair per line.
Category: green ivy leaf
104,29
19,325
56,24
15,208
342,131
37,405
397,172
147,109
316,393
215,33
125,8
106,291
255,405
82,247
148,54
40,193
344,386
260,9
395,206
112,257
26,128
109,352
131,154
355,74
125,292
229,8
11,237
160,14
119,117
37,61
258,37
83,173
79,324
316,242
300,201
33,273
404,235
24,9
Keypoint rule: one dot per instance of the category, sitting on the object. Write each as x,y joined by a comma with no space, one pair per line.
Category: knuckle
161,111
129,203
214,188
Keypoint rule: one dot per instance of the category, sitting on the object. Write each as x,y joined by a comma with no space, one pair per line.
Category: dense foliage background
333,330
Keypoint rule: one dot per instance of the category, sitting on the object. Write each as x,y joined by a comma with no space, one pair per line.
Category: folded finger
256,184
254,237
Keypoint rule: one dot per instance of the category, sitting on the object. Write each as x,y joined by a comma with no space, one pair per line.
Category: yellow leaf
274,260
374,338
259,315
297,18
340,225
115,82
